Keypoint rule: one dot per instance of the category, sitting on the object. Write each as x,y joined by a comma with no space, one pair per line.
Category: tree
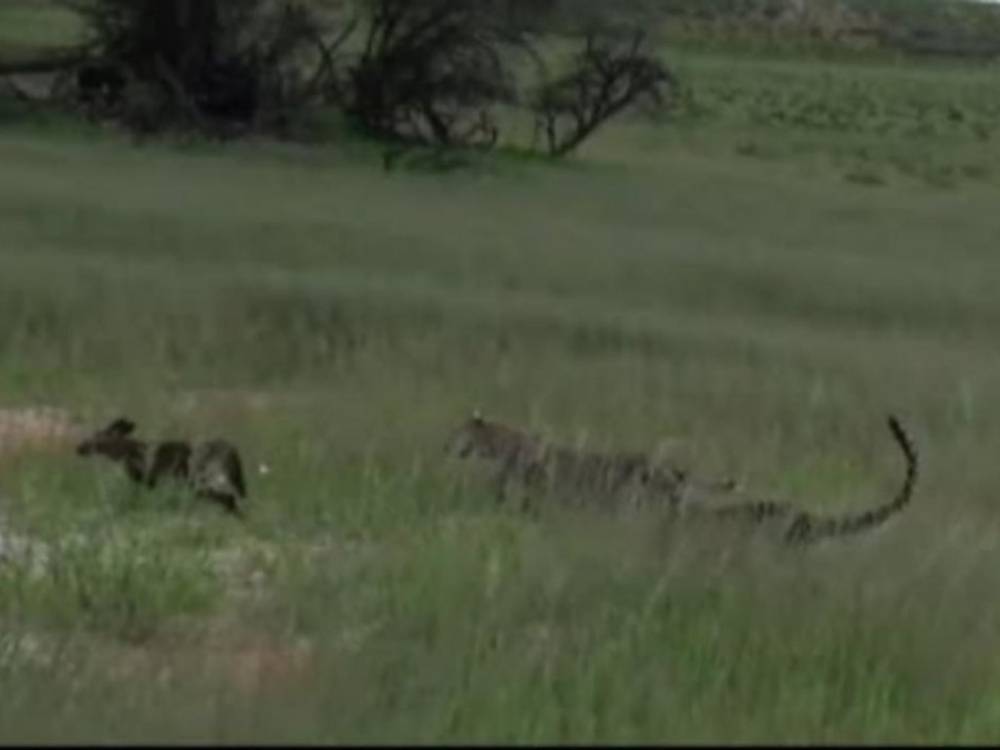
605,79
431,71
434,72
213,64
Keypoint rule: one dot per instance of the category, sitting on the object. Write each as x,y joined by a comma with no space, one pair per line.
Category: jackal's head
111,441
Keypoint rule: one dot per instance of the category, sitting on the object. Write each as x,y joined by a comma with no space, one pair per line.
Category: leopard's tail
807,528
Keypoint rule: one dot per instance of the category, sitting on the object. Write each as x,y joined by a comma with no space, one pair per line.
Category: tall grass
338,322
31,26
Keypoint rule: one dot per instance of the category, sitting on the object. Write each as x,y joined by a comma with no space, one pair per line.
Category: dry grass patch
37,428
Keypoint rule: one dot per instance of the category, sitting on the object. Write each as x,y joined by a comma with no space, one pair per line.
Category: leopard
536,463
212,469
612,480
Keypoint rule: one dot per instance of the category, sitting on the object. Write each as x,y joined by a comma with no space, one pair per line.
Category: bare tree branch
605,80
432,71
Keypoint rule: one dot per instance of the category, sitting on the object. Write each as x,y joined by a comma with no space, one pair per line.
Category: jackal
212,469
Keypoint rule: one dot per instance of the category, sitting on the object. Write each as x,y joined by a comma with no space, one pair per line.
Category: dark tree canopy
408,72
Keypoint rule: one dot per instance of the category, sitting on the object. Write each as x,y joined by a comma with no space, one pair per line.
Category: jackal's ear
121,427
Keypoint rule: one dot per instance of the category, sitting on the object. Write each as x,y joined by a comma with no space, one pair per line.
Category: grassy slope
758,323
752,318
28,26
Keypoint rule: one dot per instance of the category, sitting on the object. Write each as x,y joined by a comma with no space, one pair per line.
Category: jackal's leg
224,499
170,460
234,467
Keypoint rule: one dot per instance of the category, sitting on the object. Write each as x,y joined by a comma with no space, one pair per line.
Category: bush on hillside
213,64
606,78
432,72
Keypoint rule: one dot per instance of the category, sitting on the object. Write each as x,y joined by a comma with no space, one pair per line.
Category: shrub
431,71
605,79
209,63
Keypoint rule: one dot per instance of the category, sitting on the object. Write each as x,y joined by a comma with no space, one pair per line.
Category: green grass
888,121
31,26
933,123
751,314
728,311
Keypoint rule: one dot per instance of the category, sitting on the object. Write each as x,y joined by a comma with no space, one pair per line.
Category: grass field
27,26
747,316
872,121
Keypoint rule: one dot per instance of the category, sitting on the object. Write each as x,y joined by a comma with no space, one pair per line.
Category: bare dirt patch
220,650
220,401
37,427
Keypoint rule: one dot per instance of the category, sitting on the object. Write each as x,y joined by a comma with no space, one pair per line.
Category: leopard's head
470,436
